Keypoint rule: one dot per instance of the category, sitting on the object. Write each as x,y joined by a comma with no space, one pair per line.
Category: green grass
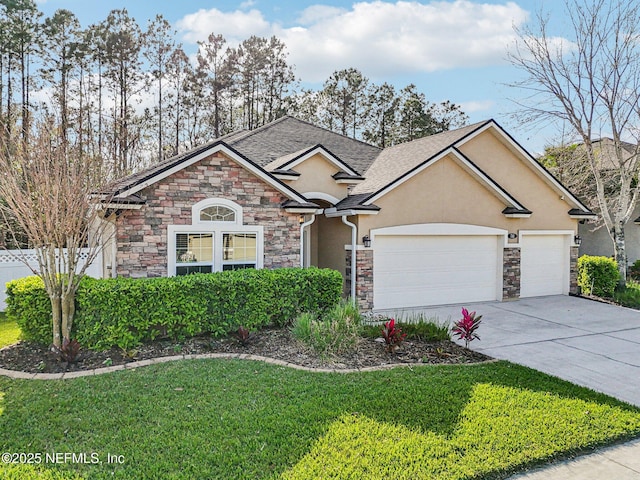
9,331
210,419
418,326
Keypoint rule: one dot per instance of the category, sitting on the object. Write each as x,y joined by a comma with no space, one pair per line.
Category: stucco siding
511,171
316,176
442,193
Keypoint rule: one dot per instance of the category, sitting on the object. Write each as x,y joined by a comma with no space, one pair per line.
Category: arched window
217,210
215,241
217,213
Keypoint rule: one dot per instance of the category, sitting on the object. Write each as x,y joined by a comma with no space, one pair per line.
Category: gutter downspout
302,227
354,234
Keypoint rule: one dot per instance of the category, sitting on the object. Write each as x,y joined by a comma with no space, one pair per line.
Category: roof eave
582,214
334,212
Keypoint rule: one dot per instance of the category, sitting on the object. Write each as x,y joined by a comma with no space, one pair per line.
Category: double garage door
412,270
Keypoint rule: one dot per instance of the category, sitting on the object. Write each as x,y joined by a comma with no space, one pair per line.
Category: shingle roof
396,161
282,138
274,143
280,161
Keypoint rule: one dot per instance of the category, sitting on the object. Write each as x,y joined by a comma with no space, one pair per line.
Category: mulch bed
273,343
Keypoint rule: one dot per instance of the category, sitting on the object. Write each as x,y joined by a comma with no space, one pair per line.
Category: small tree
46,187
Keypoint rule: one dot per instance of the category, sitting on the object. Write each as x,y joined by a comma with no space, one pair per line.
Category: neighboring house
597,241
463,216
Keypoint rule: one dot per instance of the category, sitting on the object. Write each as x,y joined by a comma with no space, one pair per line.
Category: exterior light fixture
301,219
577,240
367,241
512,236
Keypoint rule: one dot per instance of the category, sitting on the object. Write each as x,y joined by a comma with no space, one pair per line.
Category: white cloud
378,37
234,26
475,106
317,13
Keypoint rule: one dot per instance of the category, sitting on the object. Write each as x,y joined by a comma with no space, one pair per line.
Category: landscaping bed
275,343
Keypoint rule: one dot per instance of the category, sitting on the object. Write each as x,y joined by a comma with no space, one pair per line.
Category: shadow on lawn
241,419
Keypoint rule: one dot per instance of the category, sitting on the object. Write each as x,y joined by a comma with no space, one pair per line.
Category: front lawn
9,331
205,419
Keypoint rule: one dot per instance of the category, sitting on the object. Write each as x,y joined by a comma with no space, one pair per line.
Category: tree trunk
68,310
620,252
56,312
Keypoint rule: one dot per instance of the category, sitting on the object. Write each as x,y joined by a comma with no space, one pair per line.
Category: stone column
573,270
511,273
364,277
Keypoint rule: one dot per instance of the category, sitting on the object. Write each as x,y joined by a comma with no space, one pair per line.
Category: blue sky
451,49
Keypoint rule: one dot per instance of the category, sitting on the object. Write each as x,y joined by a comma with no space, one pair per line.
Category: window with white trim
194,253
239,251
217,213
216,241
216,210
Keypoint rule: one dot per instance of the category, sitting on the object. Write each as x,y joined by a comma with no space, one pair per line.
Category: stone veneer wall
511,274
364,278
573,270
142,234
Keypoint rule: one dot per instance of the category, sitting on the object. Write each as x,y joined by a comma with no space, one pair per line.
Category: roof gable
530,162
512,205
396,164
289,162
132,184
397,161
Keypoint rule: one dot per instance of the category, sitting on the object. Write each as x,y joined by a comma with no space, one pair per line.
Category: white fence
11,268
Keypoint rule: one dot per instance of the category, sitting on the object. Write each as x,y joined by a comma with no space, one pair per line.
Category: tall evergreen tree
346,93
159,45
124,76
61,40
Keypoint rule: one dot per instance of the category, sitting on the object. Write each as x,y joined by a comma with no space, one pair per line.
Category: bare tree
47,191
592,84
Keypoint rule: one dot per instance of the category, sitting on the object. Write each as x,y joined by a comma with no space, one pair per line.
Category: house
462,216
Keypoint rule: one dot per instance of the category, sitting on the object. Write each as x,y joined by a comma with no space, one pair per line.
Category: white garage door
544,265
417,270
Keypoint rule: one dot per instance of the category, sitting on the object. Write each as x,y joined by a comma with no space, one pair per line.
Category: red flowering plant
466,327
392,335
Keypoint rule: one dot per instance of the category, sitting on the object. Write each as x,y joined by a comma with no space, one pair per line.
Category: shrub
634,271
125,312
597,276
301,328
29,306
334,332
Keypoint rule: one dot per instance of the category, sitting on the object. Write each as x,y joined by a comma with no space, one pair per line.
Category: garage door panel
544,265
430,270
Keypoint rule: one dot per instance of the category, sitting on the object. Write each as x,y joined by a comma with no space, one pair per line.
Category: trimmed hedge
126,312
598,275
29,306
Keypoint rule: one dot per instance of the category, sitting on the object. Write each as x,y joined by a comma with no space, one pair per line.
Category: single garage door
544,265
419,270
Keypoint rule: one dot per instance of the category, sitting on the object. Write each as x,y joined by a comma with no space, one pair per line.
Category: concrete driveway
586,342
